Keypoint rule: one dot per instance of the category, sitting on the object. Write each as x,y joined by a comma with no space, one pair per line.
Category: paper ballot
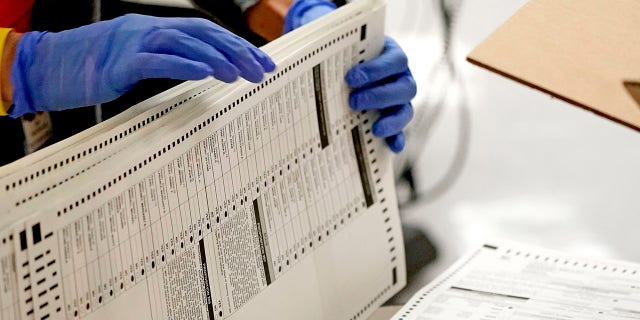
513,281
215,201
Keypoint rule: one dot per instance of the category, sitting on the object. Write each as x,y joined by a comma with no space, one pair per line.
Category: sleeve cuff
4,32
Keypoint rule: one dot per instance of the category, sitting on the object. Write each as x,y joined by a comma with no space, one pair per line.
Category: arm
99,62
266,17
272,18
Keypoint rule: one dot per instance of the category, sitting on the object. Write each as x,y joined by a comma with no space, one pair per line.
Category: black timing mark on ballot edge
362,165
320,107
36,232
205,275
263,252
23,240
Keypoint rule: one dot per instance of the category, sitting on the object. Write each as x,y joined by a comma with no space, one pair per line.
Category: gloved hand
99,62
302,12
384,83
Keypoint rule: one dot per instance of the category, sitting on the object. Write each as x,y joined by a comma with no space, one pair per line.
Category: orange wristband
4,32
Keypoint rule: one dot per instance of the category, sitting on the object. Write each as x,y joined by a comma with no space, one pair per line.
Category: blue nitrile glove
302,12
384,83
99,62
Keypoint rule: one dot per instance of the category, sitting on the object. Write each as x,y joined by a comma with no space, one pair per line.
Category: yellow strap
4,105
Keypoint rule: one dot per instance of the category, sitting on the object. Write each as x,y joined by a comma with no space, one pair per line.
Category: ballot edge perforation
371,303
572,263
377,181
115,138
98,146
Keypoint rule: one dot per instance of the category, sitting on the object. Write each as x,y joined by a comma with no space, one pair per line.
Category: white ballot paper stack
506,280
215,201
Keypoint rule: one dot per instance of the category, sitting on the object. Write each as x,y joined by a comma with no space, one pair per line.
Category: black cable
429,113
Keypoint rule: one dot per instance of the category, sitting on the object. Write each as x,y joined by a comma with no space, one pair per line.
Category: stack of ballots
214,200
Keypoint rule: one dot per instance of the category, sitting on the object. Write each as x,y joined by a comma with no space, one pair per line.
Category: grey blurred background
493,159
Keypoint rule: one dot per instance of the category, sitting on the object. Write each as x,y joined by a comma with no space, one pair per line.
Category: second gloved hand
385,83
99,62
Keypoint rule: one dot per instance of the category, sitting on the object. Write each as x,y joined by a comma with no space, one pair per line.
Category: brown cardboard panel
581,51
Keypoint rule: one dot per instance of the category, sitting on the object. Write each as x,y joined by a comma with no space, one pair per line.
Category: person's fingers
396,143
175,42
243,59
265,61
249,60
153,65
260,56
392,120
237,50
391,61
381,95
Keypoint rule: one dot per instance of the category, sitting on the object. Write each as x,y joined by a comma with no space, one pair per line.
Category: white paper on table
506,280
